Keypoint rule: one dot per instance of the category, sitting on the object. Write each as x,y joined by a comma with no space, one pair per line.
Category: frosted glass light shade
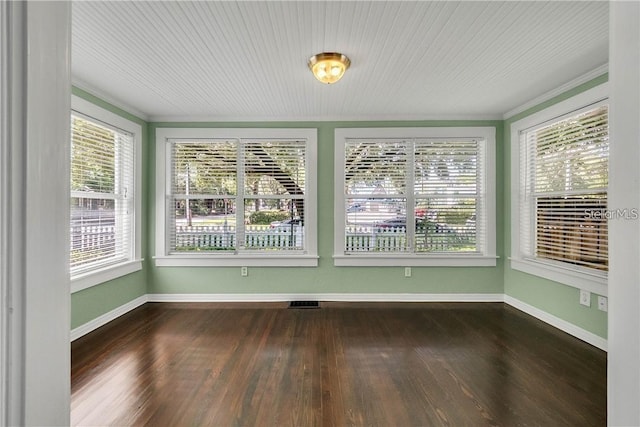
329,67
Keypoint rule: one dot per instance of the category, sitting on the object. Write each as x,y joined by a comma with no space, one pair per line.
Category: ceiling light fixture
329,67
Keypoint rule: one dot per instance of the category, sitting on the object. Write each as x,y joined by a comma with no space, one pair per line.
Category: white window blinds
449,186
102,186
203,188
564,169
236,195
414,196
376,195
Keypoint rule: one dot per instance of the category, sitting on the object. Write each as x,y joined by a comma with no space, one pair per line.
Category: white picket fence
221,237
89,243
394,239
365,239
92,237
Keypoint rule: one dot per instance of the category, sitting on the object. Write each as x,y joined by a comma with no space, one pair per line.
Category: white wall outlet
244,271
603,305
585,297
407,272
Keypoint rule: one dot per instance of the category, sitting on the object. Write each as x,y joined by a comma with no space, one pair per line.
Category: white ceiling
410,60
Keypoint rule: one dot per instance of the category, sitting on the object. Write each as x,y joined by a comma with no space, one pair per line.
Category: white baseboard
556,322
552,320
384,297
107,317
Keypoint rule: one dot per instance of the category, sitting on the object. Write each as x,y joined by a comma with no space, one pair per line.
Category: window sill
237,261
408,260
596,283
97,277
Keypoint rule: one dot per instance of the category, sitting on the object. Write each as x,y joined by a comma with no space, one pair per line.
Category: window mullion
240,196
410,195
119,206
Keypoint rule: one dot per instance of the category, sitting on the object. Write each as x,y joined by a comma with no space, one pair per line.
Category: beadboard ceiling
410,60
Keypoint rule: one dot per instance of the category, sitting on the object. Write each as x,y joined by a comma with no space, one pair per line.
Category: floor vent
304,304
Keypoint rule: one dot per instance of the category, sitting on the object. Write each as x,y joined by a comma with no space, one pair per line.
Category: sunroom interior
196,79
240,86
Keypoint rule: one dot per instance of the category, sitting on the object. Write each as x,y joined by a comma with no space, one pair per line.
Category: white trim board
109,99
558,323
338,297
107,317
323,119
597,72
550,319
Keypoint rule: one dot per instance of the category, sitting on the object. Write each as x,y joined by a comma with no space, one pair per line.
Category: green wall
95,301
326,278
554,298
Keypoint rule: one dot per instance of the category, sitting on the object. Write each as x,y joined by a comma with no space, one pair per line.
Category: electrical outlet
407,272
585,297
603,305
244,271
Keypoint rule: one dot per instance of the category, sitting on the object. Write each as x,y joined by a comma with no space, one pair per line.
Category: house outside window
236,197
104,203
415,196
560,176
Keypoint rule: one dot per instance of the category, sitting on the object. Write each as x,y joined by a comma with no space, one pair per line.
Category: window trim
487,259
559,272
103,274
163,182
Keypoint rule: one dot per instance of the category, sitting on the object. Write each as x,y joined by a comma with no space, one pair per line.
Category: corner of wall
92,303
536,296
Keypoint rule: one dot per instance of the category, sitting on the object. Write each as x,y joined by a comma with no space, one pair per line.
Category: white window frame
102,274
237,259
487,256
578,277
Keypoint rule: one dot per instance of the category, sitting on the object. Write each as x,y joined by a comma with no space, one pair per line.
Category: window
104,228
415,196
561,208
236,197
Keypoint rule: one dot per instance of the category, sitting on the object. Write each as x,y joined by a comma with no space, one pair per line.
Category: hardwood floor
435,364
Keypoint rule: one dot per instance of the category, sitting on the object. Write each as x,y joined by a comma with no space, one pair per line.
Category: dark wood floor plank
176,364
